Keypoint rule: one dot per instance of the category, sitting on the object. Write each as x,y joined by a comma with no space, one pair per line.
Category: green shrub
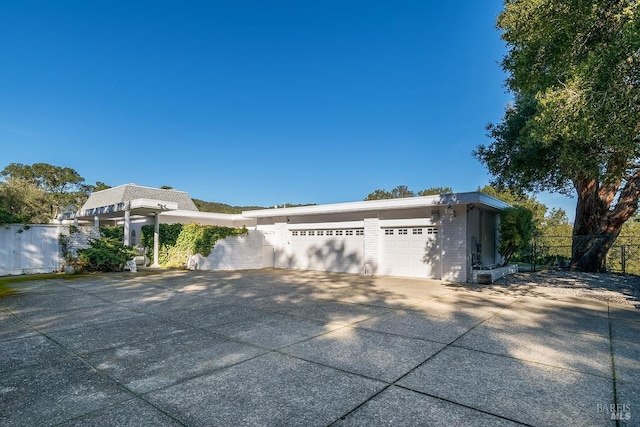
168,234
115,232
104,254
516,229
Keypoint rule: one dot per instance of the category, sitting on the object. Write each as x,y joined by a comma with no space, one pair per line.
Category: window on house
303,233
312,233
329,232
349,232
294,233
359,232
403,231
417,231
338,232
320,232
388,232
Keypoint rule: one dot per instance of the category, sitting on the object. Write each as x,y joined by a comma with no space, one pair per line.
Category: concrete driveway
278,347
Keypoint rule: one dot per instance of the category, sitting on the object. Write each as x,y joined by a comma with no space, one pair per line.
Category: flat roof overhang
478,198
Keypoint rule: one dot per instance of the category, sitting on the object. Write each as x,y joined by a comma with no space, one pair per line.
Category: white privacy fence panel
235,253
29,249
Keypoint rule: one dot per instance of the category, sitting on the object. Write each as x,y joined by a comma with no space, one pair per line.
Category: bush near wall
178,241
103,251
104,254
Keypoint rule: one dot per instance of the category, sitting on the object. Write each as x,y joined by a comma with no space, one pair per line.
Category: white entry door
337,250
411,252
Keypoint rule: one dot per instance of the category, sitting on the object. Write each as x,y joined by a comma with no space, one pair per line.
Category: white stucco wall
233,253
281,245
29,250
371,245
454,246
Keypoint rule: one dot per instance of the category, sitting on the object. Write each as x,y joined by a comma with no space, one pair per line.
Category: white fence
248,251
29,249
36,249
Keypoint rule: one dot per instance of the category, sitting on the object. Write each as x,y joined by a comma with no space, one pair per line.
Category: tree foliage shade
574,71
53,179
23,202
516,230
64,187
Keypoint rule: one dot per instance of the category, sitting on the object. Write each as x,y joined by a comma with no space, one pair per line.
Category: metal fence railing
546,252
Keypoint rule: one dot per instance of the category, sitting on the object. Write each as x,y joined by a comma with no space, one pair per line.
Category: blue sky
254,102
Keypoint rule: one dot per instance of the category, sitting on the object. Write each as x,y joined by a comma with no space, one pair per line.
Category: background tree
22,202
66,188
537,208
435,191
516,228
379,195
87,189
574,71
553,240
403,191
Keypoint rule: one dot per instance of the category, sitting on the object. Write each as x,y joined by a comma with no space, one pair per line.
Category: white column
96,222
127,225
156,239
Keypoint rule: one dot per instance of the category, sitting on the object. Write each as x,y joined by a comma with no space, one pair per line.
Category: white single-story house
441,237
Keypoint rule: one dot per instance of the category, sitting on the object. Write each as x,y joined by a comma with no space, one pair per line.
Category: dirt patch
617,288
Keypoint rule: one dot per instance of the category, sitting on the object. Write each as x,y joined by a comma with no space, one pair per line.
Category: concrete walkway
277,347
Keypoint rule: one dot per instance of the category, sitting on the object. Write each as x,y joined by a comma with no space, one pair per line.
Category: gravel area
616,288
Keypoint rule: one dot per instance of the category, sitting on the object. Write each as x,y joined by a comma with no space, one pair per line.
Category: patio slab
330,312
55,392
525,392
366,352
82,317
272,389
113,334
150,365
12,328
627,360
415,324
135,412
53,302
544,315
587,353
397,406
213,314
23,352
272,330
628,404
278,347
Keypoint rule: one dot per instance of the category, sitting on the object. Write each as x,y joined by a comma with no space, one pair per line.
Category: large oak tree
574,71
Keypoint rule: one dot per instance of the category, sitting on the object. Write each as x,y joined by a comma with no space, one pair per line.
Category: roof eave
387,204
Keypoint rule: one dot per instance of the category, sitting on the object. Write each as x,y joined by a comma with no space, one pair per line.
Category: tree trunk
597,223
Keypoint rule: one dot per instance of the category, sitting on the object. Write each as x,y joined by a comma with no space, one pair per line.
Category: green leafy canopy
574,70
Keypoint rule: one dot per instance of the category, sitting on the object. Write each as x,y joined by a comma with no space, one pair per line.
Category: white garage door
338,250
411,252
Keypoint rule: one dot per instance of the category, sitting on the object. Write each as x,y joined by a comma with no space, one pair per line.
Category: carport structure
129,202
